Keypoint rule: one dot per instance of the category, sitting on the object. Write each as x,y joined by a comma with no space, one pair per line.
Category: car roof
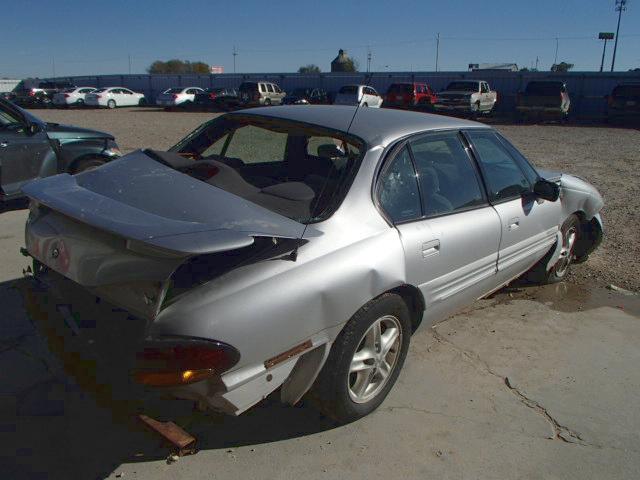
376,126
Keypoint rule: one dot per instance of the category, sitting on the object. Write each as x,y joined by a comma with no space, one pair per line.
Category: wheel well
589,239
88,156
414,300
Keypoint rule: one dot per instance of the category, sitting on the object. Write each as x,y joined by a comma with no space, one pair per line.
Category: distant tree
310,68
525,69
178,66
561,67
351,65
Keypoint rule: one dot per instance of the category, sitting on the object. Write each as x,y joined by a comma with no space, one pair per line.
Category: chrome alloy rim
566,254
374,359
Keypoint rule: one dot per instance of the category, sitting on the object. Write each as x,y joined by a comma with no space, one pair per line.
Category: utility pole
53,66
555,59
368,59
437,49
621,5
235,54
129,64
537,60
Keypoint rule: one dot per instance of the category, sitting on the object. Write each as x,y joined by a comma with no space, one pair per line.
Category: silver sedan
298,248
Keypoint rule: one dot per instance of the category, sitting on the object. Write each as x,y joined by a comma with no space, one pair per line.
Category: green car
31,148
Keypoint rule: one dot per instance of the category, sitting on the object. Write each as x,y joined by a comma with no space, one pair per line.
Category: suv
544,98
410,95
260,94
30,94
624,102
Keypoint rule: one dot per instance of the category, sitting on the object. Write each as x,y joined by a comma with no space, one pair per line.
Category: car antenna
293,256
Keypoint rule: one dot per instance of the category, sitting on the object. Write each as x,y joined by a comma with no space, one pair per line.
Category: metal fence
587,89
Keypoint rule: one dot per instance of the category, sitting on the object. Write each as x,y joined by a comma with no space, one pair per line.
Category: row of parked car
549,98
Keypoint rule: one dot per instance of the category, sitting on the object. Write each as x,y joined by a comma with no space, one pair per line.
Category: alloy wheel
566,253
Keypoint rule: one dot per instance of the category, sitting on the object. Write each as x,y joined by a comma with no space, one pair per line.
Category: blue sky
87,37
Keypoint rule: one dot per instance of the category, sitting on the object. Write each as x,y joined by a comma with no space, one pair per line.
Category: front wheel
365,360
111,104
88,164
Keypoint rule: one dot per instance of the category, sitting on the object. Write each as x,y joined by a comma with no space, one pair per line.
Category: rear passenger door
529,225
432,192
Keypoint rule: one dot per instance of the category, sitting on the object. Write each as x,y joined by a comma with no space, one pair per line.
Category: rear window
626,91
302,172
400,88
248,87
544,88
349,90
463,86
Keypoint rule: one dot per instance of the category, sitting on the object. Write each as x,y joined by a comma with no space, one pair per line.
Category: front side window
296,170
269,88
448,180
504,177
398,192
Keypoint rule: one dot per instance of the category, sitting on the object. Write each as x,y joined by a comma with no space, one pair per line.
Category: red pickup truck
409,95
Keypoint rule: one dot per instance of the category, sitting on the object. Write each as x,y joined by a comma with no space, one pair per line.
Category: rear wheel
267,102
365,360
111,104
142,102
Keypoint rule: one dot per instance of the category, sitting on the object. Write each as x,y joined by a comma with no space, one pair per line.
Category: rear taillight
174,96
171,363
212,96
32,93
66,95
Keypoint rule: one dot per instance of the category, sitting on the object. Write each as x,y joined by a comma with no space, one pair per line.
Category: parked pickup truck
544,98
467,96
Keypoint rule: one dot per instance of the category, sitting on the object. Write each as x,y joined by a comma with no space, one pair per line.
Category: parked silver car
300,247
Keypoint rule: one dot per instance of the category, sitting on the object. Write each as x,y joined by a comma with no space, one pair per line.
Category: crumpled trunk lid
123,229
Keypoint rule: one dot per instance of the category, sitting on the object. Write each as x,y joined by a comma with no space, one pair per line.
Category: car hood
56,131
141,199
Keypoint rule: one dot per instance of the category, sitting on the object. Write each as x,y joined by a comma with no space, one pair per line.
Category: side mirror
32,129
546,190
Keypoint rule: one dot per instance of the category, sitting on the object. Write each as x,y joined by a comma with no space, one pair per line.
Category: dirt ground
606,157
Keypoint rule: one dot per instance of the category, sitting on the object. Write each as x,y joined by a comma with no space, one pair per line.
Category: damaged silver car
298,248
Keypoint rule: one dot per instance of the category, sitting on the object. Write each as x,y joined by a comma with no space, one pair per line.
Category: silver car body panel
268,307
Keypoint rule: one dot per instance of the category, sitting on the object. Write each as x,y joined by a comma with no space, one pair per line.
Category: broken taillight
181,362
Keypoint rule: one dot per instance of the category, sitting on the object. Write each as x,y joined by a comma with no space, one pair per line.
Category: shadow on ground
64,415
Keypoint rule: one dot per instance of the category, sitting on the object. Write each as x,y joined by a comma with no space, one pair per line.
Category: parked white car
362,95
172,97
72,96
467,96
112,97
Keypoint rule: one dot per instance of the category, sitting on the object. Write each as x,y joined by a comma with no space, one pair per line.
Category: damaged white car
298,248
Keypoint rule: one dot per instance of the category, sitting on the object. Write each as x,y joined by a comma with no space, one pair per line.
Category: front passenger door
529,224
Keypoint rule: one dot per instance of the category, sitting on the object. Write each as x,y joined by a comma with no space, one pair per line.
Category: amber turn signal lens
167,379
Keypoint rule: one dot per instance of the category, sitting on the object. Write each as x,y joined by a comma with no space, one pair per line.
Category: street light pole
620,6
437,49
604,49
235,54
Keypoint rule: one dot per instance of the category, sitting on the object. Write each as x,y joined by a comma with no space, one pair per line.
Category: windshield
463,86
299,171
544,88
173,90
630,91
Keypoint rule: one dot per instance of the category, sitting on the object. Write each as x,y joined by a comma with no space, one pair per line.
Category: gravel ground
606,157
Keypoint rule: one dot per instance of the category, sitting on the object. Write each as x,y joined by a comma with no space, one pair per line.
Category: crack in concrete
560,432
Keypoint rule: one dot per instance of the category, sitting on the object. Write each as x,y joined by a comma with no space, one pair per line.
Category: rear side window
504,177
398,189
448,180
253,144
400,88
630,91
269,88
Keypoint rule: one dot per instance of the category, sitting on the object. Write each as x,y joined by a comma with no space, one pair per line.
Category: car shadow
65,415
12,205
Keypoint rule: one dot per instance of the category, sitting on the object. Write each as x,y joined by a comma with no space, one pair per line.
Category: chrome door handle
514,223
430,248
4,144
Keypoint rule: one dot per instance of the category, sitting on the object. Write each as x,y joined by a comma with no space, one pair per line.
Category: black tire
142,102
557,273
365,104
331,392
88,163
111,104
267,102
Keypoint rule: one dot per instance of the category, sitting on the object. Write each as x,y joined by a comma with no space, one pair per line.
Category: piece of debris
119,475
621,290
172,458
185,443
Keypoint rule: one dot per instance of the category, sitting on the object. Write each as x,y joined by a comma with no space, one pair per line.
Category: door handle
430,248
4,144
514,223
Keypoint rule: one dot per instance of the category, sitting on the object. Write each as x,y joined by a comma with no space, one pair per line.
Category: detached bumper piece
176,436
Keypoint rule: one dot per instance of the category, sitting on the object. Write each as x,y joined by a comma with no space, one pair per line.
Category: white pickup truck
467,96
